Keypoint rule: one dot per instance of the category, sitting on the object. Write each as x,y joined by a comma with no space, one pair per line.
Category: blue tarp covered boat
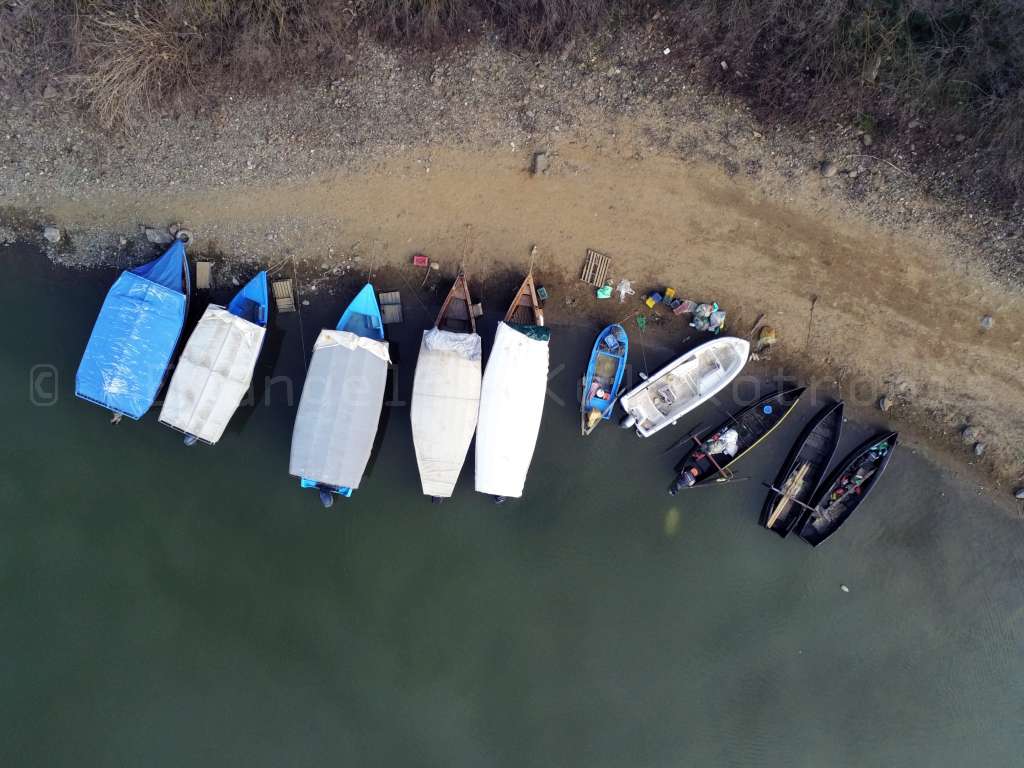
604,377
135,335
216,367
342,397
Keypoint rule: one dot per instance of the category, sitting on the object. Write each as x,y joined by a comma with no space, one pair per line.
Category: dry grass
958,64
130,63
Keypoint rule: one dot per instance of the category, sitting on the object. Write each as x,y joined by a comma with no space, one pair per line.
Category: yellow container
649,302
670,293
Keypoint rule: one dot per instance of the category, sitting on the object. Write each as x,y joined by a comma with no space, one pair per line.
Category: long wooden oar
679,443
782,492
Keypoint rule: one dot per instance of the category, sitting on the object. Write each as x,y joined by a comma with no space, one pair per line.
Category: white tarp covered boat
217,364
446,393
512,398
342,397
684,384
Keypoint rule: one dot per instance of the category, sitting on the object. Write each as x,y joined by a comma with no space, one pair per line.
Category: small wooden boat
341,402
733,438
135,335
803,471
512,397
525,308
604,377
446,393
216,367
847,488
684,384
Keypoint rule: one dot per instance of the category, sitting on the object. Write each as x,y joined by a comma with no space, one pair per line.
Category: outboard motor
326,498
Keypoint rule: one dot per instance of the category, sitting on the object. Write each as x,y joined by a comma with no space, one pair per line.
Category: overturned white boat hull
213,374
339,411
511,407
445,407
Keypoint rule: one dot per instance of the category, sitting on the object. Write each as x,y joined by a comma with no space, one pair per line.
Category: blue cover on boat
135,335
362,316
252,303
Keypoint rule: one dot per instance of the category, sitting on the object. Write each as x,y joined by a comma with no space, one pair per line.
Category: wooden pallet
596,269
284,295
390,307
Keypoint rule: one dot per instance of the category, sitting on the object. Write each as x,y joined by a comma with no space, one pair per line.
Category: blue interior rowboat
135,335
342,397
252,303
604,377
362,316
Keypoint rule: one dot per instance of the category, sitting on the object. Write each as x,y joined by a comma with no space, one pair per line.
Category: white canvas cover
213,374
511,406
445,405
339,409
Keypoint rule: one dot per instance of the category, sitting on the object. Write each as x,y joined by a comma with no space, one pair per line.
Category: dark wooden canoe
456,313
803,471
867,462
525,308
753,424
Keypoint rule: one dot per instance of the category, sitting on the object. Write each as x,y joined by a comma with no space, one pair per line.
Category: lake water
172,606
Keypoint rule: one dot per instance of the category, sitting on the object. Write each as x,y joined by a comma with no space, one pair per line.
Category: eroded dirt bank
893,314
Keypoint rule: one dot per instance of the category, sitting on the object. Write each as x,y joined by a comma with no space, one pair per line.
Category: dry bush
129,60
957,63
427,22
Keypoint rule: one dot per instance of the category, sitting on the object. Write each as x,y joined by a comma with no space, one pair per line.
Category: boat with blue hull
135,335
342,397
604,377
216,367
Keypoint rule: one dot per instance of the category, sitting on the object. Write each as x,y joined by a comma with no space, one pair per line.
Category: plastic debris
766,338
625,289
708,317
844,588
419,260
604,292
542,293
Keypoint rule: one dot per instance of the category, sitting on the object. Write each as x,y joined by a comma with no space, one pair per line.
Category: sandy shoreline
680,188
883,301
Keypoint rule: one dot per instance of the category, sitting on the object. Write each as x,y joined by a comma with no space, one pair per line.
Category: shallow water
173,606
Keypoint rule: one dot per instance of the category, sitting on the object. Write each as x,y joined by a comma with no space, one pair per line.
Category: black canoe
836,500
752,424
803,471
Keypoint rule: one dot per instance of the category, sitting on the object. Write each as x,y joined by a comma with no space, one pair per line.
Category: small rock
969,434
844,588
436,266
540,163
987,322
885,403
234,281
914,124
49,92
122,241
51,234
1019,493
960,138
724,65
158,236
867,140
828,169
305,302
979,449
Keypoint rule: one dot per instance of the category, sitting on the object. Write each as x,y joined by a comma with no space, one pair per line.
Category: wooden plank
203,275
596,268
391,313
284,296
389,297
